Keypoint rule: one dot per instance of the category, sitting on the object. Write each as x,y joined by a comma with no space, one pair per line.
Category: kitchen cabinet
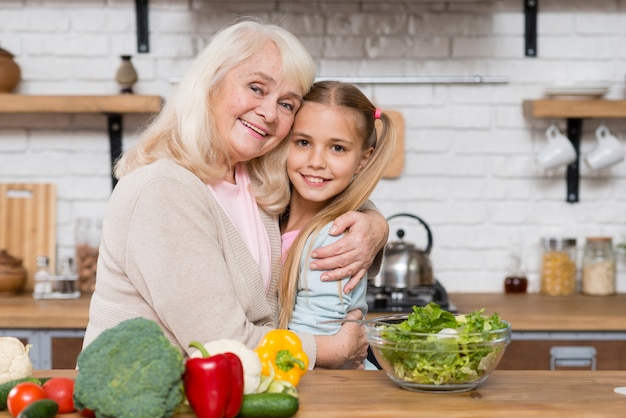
574,111
55,328
113,106
534,353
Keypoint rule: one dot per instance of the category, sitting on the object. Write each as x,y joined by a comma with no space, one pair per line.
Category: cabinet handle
576,356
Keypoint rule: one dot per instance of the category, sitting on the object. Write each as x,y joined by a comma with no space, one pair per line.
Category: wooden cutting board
394,170
28,224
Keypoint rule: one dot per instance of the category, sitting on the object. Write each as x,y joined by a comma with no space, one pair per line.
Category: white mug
607,152
559,150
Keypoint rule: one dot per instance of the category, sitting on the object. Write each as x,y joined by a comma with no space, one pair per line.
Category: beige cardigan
169,253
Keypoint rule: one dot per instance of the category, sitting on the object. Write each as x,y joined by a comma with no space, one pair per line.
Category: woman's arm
357,251
345,350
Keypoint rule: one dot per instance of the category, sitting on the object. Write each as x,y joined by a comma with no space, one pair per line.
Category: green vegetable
274,405
456,349
6,387
43,408
131,370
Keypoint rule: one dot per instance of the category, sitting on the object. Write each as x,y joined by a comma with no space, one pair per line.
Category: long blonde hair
184,131
350,98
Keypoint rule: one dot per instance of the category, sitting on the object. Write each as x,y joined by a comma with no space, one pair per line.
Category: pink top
240,205
287,239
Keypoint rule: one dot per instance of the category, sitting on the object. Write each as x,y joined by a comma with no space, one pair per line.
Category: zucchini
273,405
43,408
6,387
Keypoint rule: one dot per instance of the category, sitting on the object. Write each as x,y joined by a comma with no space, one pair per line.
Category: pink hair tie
377,113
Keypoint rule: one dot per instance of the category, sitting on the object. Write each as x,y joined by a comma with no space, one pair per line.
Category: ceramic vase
10,72
126,75
12,274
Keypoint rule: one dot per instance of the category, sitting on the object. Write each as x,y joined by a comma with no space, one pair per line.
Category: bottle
558,267
598,267
515,281
67,280
42,287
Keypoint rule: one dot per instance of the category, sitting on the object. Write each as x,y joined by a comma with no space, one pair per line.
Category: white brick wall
470,168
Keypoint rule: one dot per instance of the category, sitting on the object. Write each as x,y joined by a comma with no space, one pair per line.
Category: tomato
61,390
22,395
87,413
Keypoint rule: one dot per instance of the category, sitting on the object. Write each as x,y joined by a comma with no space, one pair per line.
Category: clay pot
12,274
10,72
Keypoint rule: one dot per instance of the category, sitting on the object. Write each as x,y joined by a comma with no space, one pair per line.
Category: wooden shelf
550,108
121,103
113,106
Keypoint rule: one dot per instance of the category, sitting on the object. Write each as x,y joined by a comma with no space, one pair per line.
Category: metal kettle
404,266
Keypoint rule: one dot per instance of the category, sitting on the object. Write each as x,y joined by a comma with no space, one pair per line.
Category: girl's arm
357,251
340,346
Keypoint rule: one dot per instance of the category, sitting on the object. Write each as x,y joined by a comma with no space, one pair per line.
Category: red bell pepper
214,384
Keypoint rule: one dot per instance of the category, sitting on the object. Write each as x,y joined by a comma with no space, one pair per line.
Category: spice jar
558,268
598,267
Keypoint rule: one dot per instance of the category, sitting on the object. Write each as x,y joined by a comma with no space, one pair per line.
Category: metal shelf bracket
115,142
141,12
574,129
530,23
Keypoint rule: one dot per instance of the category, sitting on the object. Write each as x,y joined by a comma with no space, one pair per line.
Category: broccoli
129,371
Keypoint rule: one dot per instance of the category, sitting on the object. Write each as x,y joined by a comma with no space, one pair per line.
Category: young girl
335,158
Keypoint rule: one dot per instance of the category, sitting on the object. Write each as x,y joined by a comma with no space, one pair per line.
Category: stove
385,299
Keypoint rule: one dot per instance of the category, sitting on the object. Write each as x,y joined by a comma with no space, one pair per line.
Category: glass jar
558,267
598,267
88,234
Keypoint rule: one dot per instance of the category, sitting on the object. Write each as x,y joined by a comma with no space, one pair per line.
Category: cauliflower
14,360
249,360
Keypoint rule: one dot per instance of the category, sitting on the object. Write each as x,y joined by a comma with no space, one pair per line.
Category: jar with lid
598,267
558,267
88,234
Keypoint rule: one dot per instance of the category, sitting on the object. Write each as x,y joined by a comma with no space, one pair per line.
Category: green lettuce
450,349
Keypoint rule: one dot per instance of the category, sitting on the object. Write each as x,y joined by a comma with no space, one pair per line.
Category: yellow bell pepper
281,351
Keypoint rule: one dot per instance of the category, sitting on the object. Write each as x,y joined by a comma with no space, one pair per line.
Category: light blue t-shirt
318,301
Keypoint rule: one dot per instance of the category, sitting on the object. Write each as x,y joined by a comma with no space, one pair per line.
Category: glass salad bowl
431,350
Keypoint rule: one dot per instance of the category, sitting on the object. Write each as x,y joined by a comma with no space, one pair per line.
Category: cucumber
6,387
43,408
273,405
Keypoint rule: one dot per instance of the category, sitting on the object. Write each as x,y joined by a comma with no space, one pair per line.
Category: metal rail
473,79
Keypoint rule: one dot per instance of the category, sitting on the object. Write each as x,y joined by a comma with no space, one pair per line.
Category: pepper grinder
126,75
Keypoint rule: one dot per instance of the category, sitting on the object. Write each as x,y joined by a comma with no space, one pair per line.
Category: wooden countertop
22,311
514,393
539,312
526,312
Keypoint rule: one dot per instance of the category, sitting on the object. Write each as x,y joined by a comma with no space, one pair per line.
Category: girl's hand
354,253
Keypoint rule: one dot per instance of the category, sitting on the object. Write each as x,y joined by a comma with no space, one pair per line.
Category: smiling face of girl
325,152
